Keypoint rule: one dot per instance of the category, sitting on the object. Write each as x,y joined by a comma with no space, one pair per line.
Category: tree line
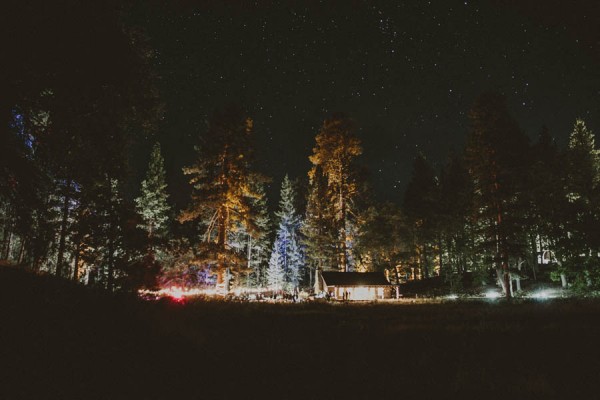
499,210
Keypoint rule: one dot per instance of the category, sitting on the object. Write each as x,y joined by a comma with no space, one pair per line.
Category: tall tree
152,203
251,238
455,222
275,271
496,157
222,190
73,101
383,242
545,197
259,238
421,201
287,240
579,244
318,228
334,156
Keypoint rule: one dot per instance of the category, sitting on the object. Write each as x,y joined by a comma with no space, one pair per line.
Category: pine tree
496,156
286,244
250,239
382,243
455,219
546,198
318,228
421,201
222,191
334,157
579,242
275,271
152,203
259,237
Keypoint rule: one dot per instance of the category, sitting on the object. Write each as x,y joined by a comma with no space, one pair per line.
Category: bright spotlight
492,294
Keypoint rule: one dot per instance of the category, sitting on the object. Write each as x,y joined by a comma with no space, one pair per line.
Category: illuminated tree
275,271
252,239
222,191
578,241
258,238
384,241
286,245
79,120
152,203
318,228
333,159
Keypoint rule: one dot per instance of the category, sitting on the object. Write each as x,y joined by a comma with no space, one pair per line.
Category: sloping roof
354,279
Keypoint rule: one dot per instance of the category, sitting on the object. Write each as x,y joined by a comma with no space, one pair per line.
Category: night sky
407,72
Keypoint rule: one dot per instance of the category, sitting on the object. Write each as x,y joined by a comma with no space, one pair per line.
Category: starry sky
406,71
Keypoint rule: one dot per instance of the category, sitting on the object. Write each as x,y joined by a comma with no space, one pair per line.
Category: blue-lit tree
286,252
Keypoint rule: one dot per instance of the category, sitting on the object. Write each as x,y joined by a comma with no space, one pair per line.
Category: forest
502,209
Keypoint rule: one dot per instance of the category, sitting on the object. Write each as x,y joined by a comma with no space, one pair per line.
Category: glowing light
452,297
544,294
492,294
178,293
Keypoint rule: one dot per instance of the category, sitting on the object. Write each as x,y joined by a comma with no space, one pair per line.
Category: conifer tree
455,219
546,198
275,272
579,242
496,156
421,201
222,191
250,239
258,238
318,229
152,203
286,244
333,159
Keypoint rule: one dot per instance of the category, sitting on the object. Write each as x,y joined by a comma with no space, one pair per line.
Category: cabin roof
354,279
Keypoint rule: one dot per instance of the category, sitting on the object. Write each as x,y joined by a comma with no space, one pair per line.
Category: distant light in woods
545,294
492,294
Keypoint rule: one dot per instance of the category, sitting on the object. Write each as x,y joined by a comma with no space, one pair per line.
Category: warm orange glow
359,293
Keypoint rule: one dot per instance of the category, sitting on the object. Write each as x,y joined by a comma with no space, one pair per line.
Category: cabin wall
357,292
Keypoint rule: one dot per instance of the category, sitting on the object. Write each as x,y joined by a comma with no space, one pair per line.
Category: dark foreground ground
66,342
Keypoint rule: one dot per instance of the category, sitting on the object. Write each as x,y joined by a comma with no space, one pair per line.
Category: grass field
63,341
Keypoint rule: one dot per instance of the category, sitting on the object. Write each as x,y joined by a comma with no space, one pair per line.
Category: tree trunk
397,282
221,267
563,280
440,254
227,279
249,262
110,275
344,255
76,263
111,237
7,245
518,277
425,262
503,281
507,280
21,251
63,229
535,258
